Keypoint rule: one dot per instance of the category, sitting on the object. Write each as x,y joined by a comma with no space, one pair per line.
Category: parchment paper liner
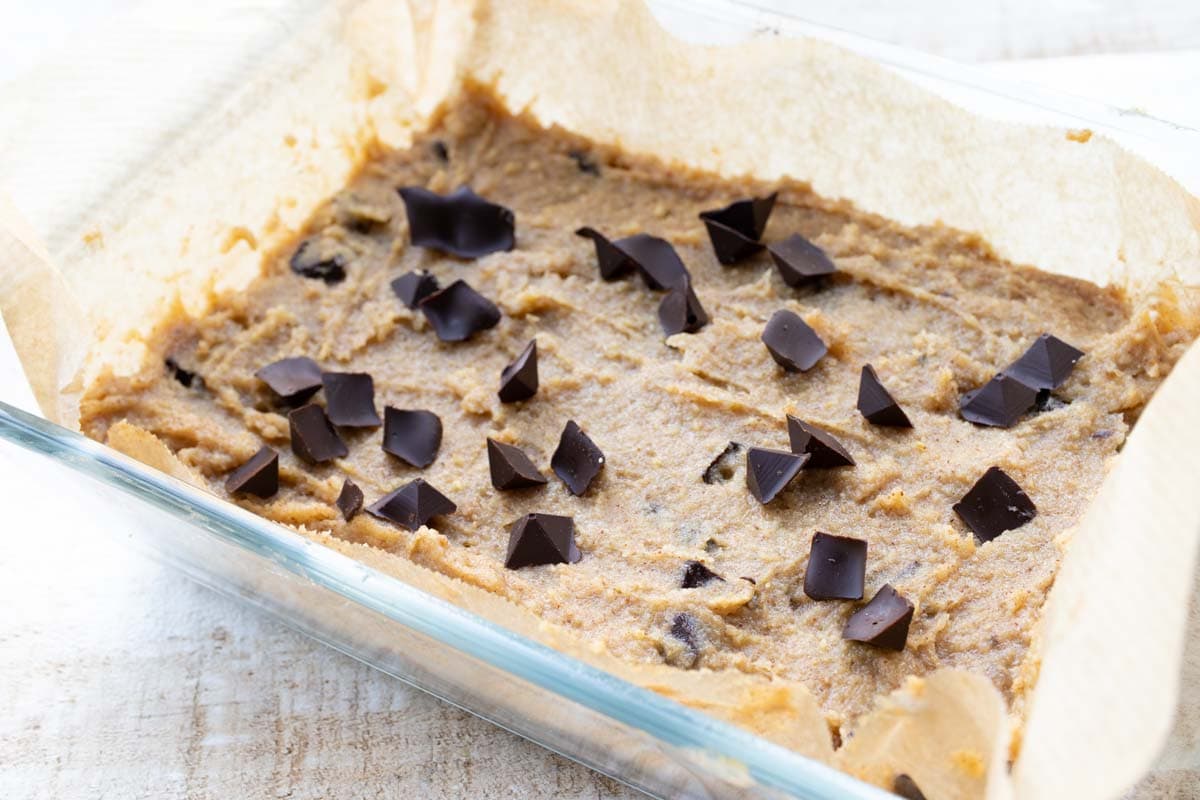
195,206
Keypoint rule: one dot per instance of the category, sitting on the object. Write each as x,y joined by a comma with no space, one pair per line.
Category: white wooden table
119,678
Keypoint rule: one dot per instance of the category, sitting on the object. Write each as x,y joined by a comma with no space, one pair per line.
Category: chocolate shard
462,223
883,622
183,376
259,476
995,504
791,342
799,261
412,505
319,258
458,312
412,435
577,460
680,311
511,468
294,379
825,451
440,152
999,403
769,471
722,467
656,260
876,403
736,229
519,380
350,399
584,162
314,438
837,568
685,628
696,574
612,260
905,787
413,287
537,539
1046,364
350,500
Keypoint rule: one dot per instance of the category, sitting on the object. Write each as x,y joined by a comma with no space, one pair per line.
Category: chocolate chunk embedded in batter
736,229
837,568
656,260
906,787
539,539
462,223
696,574
998,403
314,438
799,261
412,435
412,505
791,342
883,622
259,476
293,380
350,399
458,312
680,311
769,471
350,500
320,259
612,260
722,467
519,380
413,287
825,451
876,403
1046,364
511,468
995,504
577,460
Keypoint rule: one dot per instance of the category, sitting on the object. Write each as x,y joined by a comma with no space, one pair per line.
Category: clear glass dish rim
666,720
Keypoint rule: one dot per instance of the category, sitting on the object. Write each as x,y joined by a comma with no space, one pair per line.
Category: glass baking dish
627,732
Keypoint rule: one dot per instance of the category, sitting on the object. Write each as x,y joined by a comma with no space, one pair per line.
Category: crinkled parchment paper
160,179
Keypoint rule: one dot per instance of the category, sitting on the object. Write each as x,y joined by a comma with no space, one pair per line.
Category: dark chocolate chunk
791,342
183,376
350,399
883,622
350,500
259,476
656,260
876,403
458,312
412,435
577,460
999,403
721,468
294,379
905,787
995,504
584,162
1046,364
413,287
685,629
519,380
837,568
612,260
736,229
1047,402
511,468
412,505
696,574
315,258
680,311
537,539
825,451
799,261
314,438
769,471
462,223
440,151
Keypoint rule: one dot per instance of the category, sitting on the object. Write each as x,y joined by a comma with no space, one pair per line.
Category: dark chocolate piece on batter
413,287
999,403
185,377
680,311
259,476
294,379
736,229
458,312
660,266
611,259
461,223
537,539
511,468
826,452
350,500
837,568
412,435
769,471
314,259
684,628
995,504
883,622
877,404
906,787
1046,364
577,460
799,261
721,468
696,574
440,151
314,438
584,162
791,342
412,505
350,399
519,380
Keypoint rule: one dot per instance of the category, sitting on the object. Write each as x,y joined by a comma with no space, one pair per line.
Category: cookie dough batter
933,310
